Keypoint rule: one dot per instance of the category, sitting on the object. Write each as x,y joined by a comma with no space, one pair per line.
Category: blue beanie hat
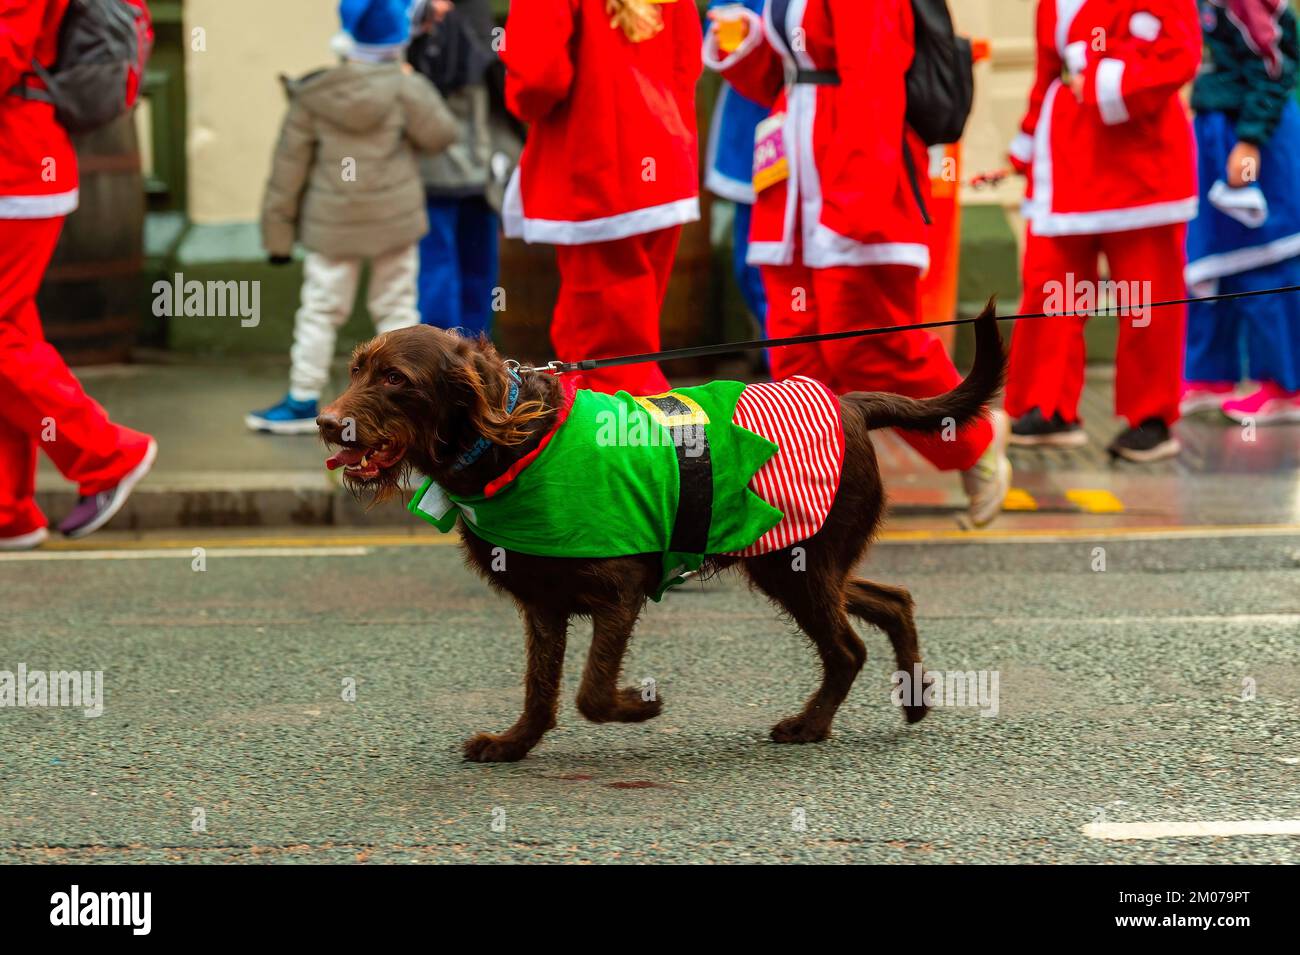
376,23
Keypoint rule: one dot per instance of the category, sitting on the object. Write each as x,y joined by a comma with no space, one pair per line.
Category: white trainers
987,483
28,541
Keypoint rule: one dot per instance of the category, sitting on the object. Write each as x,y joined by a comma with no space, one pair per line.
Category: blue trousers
459,261
1255,338
748,277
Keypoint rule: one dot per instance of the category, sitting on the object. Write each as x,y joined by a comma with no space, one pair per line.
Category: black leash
728,348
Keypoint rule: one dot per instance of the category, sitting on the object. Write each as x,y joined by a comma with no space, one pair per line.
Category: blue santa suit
729,166
1244,95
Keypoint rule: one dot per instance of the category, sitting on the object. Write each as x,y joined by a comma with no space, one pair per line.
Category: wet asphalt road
1164,688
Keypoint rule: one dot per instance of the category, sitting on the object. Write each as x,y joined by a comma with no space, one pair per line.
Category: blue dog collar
467,458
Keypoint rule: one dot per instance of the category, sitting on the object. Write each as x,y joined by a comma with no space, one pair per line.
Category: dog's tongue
345,457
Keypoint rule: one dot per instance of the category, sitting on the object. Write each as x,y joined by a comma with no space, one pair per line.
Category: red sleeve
1046,69
873,49
1139,74
20,26
539,67
687,66
754,69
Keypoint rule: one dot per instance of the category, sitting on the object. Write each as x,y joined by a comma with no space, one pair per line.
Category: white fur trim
1214,267
724,187
39,207
606,228
713,57
1114,220
829,248
1042,167
512,208
1022,147
1110,92
1066,11
1144,26
768,253
1076,57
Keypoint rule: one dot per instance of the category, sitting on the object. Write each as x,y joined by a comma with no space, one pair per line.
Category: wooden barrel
692,312
93,291
531,284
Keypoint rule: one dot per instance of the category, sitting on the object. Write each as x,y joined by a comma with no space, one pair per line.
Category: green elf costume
691,472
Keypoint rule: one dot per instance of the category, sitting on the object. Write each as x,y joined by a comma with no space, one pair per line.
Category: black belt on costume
817,77
694,469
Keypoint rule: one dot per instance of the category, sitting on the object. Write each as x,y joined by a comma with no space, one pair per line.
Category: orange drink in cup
731,27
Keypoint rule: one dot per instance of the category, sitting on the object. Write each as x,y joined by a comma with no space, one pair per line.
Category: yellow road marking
986,536
1049,534
201,539
1095,501
1018,499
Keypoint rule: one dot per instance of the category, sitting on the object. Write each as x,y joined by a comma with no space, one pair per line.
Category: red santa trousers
41,403
804,301
1047,354
611,294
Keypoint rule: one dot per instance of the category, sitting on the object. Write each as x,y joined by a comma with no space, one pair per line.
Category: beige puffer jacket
345,180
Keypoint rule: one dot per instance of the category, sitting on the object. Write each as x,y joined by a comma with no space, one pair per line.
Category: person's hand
1243,165
279,259
1076,86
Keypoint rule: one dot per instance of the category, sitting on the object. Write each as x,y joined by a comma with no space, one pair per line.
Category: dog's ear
482,387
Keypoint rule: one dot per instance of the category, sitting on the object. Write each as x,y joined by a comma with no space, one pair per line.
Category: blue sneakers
288,417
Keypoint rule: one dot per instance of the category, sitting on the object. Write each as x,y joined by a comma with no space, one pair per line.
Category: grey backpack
104,46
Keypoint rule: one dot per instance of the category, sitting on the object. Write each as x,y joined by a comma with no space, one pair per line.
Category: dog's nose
328,422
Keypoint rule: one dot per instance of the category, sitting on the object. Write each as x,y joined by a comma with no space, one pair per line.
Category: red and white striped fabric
802,418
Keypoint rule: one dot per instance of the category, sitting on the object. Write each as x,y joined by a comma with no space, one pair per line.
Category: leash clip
551,367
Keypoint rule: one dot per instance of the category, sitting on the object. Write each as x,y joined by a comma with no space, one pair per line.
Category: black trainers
1149,441
1034,430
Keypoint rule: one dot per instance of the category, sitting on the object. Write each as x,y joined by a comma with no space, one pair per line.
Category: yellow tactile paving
1018,499
1095,501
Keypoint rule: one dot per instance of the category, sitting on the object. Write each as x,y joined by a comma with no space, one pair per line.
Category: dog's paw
914,714
627,706
799,729
633,708
490,748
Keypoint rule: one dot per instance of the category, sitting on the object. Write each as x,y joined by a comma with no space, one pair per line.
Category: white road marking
1281,619
1187,830
1072,535
185,553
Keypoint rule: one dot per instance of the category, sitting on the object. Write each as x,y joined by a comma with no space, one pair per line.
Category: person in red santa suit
41,404
1108,149
837,228
610,169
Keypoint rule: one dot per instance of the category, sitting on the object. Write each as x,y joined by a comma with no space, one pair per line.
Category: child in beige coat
345,183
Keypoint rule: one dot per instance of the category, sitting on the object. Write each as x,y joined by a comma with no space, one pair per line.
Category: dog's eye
393,378
355,370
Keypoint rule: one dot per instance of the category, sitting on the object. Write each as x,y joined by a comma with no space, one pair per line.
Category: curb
214,499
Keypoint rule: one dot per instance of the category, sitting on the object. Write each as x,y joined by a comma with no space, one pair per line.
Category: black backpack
450,55
940,84
941,80
104,46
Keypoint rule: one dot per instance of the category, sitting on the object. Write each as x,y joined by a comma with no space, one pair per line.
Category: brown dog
420,397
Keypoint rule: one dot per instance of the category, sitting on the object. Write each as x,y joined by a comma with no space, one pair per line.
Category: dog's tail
955,408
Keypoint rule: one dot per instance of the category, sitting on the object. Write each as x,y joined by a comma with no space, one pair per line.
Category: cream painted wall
235,99
1001,90
235,102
